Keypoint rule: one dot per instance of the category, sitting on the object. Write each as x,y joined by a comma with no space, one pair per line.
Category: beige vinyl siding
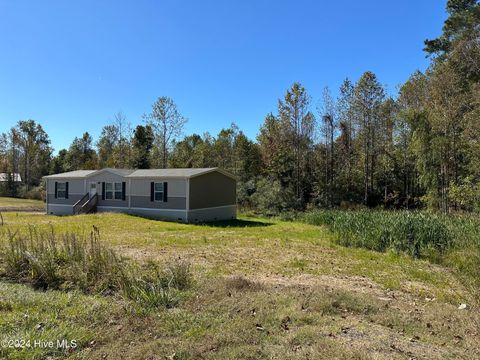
141,187
75,186
140,194
107,177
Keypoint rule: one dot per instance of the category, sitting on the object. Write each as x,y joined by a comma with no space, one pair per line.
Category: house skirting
160,214
59,209
227,212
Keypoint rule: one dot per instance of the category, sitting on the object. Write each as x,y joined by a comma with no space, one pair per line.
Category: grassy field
16,204
263,288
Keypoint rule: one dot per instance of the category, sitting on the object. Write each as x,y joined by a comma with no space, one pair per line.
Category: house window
61,190
158,191
113,191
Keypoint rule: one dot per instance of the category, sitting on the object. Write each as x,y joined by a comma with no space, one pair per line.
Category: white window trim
64,190
155,191
113,191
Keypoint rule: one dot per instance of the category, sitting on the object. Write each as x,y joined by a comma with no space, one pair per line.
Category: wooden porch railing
79,204
86,204
90,205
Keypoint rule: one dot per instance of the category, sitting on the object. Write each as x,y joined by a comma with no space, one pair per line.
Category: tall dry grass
70,261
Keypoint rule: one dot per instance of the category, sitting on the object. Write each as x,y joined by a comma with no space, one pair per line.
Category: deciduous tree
167,123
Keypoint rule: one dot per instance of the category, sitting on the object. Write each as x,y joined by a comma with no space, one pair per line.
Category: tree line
361,147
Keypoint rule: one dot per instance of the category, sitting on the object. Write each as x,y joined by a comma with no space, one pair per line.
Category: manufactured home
187,195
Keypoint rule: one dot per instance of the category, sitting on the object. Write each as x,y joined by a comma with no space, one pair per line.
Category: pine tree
297,124
142,144
367,99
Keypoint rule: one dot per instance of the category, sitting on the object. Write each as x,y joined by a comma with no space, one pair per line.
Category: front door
93,189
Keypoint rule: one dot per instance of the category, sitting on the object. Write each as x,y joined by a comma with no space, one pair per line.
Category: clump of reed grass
414,233
453,241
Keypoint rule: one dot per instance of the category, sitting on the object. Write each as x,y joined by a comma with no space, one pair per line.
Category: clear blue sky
71,65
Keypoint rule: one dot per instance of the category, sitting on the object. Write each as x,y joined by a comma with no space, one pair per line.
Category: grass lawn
16,204
263,289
